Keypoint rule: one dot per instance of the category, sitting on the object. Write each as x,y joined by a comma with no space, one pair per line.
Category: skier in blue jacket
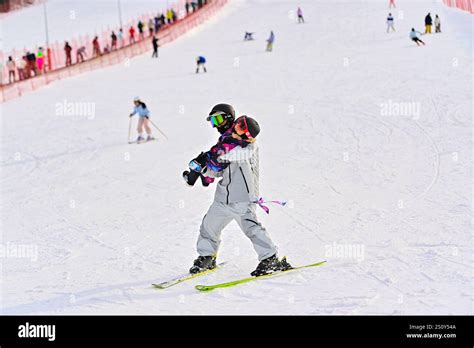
143,120
200,61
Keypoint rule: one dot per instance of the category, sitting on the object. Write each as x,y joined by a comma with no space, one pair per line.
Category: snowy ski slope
367,136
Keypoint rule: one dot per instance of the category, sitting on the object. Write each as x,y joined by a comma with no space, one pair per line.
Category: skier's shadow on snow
88,298
61,154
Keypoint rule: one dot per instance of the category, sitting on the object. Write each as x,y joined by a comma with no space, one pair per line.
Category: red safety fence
55,57
465,5
12,5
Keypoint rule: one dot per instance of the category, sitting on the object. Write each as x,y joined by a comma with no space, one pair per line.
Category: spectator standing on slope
391,3
151,26
131,32
169,16
390,22
113,45
299,12
31,58
428,24
21,68
95,47
80,54
270,41
156,22
141,36
40,60
11,66
68,50
120,37
437,22
186,6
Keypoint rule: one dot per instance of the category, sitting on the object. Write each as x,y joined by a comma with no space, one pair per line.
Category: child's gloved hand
202,159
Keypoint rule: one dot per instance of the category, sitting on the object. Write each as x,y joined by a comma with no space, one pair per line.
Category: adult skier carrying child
236,197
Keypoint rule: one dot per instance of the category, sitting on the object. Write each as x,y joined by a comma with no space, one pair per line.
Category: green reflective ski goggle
216,119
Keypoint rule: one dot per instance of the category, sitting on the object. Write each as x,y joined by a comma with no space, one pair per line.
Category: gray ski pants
220,215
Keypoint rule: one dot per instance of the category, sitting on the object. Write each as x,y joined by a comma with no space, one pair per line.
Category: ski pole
159,130
129,128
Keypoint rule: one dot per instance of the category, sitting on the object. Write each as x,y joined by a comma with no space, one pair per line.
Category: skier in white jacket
235,199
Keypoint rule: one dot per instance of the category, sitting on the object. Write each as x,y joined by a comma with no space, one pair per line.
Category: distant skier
391,3
390,21
299,12
11,66
68,50
270,42
248,36
154,42
200,62
143,120
428,24
235,198
414,36
437,22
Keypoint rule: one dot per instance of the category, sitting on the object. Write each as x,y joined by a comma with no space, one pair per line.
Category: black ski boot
203,263
271,265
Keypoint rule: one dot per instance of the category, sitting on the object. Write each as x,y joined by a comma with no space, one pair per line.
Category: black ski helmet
228,113
252,125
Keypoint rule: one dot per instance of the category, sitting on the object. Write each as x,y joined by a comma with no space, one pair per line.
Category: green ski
185,277
246,280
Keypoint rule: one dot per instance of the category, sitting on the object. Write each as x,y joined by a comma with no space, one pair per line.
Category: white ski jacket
240,180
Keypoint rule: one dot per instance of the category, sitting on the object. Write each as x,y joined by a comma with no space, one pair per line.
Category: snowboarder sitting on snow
235,199
414,36
248,36
200,61
143,116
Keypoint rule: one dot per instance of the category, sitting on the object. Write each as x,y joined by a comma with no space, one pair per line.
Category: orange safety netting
55,57
465,5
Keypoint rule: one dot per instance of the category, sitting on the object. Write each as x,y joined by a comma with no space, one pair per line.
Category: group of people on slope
414,34
27,66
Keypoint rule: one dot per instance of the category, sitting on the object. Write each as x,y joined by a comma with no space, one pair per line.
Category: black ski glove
202,159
